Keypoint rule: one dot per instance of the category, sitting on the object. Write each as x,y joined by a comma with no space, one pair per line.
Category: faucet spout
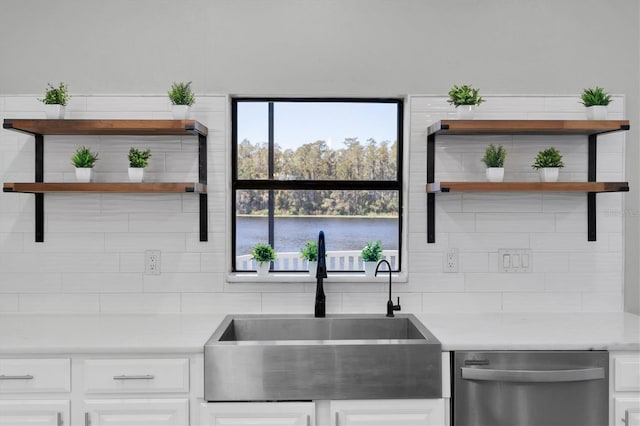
390,306
321,273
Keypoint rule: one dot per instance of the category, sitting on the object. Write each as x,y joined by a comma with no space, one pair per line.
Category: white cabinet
396,412
136,375
25,376
124,391
257,414
35,375
625,388
34,413
136,412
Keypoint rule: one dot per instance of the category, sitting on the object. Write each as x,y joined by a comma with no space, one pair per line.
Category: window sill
304,278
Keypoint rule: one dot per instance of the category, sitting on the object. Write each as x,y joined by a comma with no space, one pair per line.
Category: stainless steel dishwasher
530,388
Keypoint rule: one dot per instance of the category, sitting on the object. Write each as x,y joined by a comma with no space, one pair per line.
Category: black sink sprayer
321,273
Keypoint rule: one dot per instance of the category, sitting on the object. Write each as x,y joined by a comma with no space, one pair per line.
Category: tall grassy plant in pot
263,254
181,98
548,163
494,160
310,253
466,99
138,160
371,254
595,101
55,101
84,160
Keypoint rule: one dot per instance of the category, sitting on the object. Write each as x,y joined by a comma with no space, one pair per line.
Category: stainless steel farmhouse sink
299,357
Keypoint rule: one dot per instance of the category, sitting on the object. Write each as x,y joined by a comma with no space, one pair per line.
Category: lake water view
341,233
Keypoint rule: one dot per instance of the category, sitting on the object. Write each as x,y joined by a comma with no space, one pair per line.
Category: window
305,165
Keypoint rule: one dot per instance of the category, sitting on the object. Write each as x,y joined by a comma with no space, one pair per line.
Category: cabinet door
137,412
627,411
396,412
34,413
257,414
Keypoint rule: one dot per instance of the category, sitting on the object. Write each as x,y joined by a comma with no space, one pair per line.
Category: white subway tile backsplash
515,222
541,302
461,302
183,283
222,303
93,256
504,282
140,303
29,282
59,303
102,283
602,302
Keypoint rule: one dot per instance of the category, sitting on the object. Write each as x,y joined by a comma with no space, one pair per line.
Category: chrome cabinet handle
59,419
337,418
308,420
625,420
538,376
87,419
140,377
24,377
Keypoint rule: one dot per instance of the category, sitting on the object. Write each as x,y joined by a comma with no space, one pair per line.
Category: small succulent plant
84,158
550,157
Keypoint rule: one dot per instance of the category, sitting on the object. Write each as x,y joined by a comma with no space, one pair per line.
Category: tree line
319,161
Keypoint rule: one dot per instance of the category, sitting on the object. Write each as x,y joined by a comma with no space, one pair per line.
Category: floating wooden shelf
589,128
527,127
528,187
108,127
123,187
40,128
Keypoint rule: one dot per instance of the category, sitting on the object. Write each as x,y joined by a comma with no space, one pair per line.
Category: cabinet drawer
35,375
136,375
627,373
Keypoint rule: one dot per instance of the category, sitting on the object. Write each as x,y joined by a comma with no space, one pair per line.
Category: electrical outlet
152,262
450,259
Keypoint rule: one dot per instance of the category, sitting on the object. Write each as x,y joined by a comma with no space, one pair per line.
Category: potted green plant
371,254
263,254
138,160
310,253
181,98
595,101
494,160
466,99
55,100
84,160
548,163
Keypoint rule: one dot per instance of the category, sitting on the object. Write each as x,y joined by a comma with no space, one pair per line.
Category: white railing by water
347,260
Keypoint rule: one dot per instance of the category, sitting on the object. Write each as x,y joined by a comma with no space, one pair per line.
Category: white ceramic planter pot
549,174
136,174
313,266
370,269
263,268
84,174
597,112
180,112
466,112
495,174
54,111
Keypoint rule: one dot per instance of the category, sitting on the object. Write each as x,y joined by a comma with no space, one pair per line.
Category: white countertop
187,333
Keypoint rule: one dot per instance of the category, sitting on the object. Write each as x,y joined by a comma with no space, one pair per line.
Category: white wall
335,47
92,259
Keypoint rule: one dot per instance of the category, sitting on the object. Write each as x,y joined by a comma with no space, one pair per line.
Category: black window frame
272,184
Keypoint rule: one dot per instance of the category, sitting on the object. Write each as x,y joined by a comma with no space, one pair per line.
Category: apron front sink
299,357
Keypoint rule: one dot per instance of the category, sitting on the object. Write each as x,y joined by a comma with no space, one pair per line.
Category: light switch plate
514,260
